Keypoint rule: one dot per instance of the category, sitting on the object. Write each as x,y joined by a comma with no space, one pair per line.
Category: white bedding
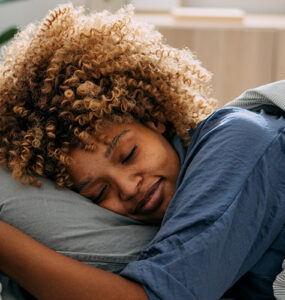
279,285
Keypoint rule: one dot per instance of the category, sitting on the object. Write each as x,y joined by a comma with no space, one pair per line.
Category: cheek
164,160
155,161
112,203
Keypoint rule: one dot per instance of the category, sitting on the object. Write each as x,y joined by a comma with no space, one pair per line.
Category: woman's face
135,175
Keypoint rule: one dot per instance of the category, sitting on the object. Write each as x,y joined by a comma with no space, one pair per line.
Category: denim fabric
226,219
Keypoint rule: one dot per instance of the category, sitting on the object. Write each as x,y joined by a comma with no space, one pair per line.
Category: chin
153,221
157,218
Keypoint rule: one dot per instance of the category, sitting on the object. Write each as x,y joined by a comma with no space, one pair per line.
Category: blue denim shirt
224,228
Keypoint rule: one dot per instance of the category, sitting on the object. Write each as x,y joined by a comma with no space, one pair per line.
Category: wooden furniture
241,54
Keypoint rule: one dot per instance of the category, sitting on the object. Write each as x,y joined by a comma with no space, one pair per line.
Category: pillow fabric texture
70,224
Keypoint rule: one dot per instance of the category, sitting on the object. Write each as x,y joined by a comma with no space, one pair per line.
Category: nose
128,185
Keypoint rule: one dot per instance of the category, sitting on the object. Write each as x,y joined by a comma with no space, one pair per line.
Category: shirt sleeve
228,208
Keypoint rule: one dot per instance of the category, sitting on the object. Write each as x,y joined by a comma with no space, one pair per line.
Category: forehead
111,129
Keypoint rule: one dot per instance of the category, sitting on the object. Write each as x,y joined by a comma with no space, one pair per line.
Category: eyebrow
110,148
114,142
81,185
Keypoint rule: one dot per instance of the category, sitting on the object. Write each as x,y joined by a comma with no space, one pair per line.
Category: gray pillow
70,224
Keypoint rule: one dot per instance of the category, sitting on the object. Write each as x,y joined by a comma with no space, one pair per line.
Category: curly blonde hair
63,79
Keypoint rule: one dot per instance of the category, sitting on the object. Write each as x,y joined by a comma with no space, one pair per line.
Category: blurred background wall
241,53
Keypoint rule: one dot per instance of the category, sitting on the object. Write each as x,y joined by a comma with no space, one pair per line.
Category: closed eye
100,197
130,155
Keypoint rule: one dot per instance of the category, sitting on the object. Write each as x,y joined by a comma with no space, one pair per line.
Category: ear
158,127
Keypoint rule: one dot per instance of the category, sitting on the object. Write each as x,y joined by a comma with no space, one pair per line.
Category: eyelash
98,199
130,155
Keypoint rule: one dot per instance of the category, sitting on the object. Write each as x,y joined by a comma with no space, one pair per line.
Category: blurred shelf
249,21
207,14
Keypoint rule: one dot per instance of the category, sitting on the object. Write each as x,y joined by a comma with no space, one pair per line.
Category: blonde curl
63,79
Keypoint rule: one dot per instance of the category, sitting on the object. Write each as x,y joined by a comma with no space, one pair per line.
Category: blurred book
208,14
154,5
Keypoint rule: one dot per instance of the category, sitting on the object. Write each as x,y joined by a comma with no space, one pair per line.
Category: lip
152,199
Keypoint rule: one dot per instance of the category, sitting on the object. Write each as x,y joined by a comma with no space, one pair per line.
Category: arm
47,274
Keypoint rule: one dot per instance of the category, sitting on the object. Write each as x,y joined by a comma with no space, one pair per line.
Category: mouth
152,200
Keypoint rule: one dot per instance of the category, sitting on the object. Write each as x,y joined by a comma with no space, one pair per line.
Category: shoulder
236,126
229,144
237,119
231,150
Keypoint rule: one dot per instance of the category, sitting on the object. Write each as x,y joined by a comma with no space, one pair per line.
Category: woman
100,105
